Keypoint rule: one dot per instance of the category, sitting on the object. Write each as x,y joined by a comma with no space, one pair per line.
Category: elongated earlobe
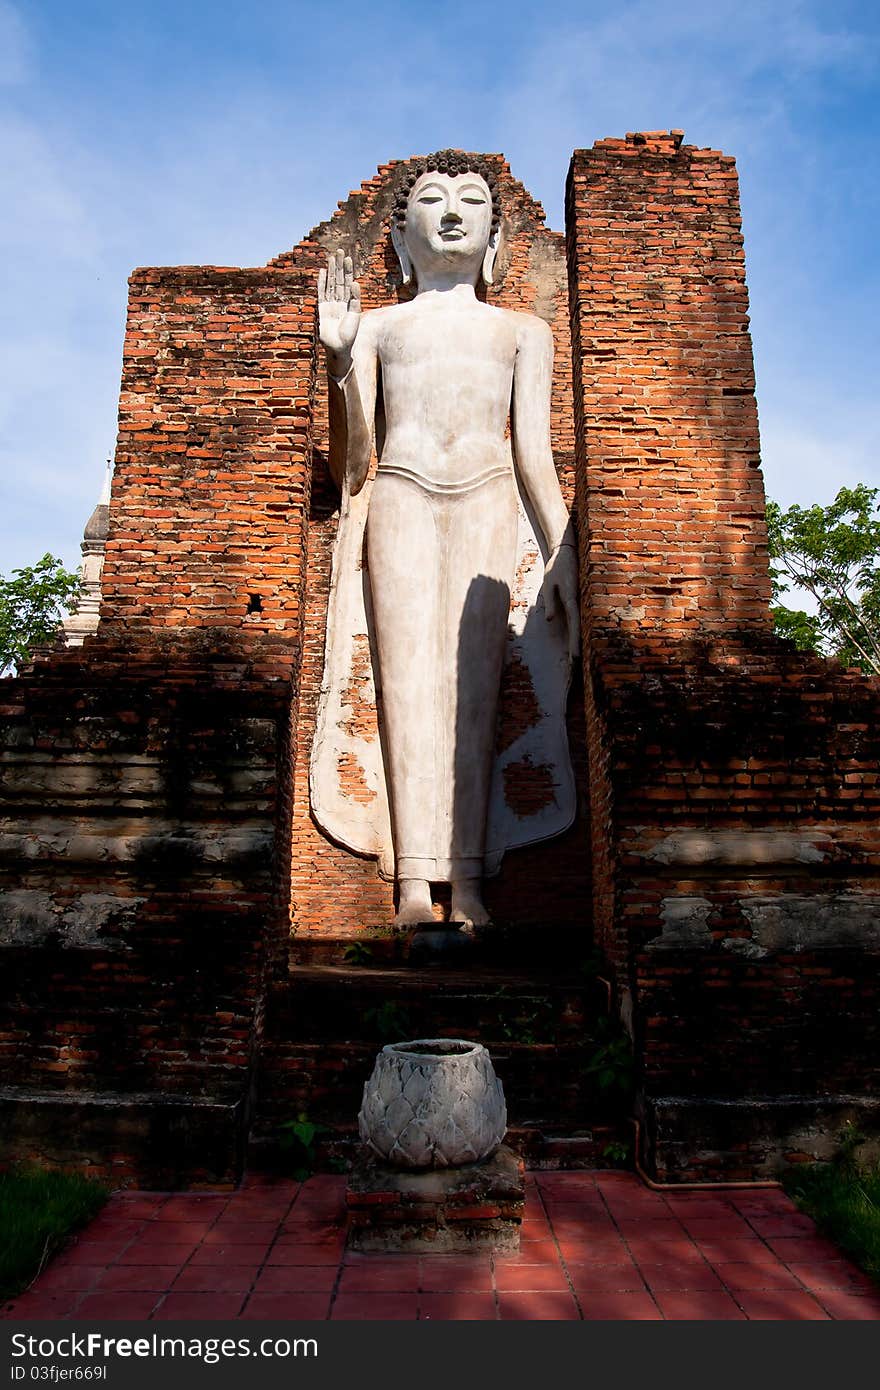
403,257
490,256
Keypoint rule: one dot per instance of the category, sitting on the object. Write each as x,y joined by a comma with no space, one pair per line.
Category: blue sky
214,133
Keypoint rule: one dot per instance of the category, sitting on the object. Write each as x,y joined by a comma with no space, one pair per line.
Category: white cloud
726,73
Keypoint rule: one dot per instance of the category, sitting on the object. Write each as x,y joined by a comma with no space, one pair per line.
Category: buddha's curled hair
447,162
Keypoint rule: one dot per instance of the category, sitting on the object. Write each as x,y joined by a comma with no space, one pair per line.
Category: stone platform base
478,1206
141,1139
752,1137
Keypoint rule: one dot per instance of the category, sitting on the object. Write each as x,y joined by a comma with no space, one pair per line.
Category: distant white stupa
83,621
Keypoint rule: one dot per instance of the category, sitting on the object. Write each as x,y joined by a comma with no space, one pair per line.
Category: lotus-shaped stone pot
433,1103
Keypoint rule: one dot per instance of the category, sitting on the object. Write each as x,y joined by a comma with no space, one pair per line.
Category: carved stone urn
433,1103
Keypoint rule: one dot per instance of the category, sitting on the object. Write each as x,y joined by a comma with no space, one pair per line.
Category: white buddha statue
433,383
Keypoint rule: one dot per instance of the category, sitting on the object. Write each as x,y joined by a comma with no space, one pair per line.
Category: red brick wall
670,493
675,532
212,480
746,807
334,891
145,807
734,785
140,904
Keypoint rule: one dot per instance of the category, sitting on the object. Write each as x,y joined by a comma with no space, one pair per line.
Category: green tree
33,602
833,554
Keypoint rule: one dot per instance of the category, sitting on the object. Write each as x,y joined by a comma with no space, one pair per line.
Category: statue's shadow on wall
470,720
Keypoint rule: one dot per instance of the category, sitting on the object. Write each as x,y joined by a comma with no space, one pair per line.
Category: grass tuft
39,1208
843,1198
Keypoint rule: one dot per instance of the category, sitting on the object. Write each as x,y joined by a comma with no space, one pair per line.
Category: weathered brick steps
505,945
437,1001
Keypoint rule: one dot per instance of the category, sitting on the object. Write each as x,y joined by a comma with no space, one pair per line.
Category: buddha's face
448,221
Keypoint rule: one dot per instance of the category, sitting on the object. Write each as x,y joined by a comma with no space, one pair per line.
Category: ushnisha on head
446,218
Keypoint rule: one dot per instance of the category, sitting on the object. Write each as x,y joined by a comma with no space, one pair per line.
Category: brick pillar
211,489
732,778
145,818
669,488
672,499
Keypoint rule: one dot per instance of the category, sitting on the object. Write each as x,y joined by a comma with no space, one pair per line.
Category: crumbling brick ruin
157,847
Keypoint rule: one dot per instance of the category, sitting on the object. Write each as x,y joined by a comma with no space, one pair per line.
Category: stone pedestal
478,1206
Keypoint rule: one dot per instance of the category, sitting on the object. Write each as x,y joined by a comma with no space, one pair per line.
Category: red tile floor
595,1245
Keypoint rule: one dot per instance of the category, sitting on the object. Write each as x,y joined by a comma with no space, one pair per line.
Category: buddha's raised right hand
339,311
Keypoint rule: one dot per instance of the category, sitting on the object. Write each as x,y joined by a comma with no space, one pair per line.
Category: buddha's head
447,215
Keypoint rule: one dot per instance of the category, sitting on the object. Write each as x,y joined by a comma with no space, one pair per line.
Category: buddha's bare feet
467,902
414,903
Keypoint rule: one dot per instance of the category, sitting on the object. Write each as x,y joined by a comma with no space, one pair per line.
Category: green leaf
804,629
33,602
832,554
358,953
